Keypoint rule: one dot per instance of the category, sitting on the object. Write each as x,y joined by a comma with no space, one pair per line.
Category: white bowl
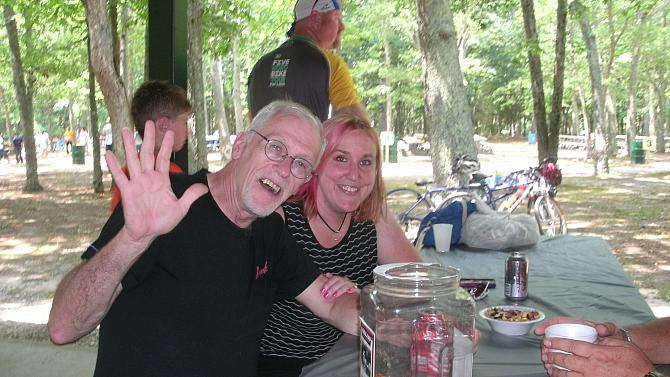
514,328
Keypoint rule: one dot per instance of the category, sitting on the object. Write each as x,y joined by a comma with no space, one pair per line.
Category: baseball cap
303,8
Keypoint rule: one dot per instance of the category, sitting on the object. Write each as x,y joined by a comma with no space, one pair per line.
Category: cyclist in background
304,69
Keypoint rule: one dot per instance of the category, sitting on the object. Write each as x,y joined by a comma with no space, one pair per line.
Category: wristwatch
654,373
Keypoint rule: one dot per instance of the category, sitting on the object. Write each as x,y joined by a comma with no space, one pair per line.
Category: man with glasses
304,69
184,273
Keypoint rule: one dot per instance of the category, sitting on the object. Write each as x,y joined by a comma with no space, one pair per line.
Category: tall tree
24,97
124,48
197,143
220,111
111,85
559,73
631,112
615,34
237,90
600,158
536,79
448,114
387,83
95,135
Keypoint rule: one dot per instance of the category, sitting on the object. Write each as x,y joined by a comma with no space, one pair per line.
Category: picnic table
575,276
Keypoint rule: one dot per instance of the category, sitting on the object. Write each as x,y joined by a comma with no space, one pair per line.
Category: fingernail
323,290
350,290
326,295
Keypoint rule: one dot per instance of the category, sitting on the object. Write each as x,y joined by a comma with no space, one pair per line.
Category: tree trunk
447,111
70,117
93,110
652,111
575,114
24,100
198,149
662,69
220,111
611,122
5,111
600,157
387,83
237,100
113,9
661,125
559,73
631,113
111,84
388,105
536,79
588,125
124,52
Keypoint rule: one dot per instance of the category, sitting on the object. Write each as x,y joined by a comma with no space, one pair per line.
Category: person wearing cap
304,69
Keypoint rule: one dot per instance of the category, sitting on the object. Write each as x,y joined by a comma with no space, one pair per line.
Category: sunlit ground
634,221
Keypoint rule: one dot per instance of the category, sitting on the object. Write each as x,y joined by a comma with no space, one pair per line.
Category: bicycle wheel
549,216
409,207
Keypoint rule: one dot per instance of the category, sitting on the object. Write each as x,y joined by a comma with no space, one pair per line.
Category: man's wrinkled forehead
293,130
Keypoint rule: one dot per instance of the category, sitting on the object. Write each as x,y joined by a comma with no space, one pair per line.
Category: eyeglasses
479,291
276,151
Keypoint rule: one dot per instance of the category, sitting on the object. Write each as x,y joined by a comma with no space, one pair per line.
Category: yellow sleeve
341,91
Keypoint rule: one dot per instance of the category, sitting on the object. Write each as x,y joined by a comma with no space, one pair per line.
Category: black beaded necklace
337,232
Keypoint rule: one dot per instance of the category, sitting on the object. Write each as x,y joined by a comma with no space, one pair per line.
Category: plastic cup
442,235
572,331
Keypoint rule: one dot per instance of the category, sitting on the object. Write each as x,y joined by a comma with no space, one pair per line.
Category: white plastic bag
488,229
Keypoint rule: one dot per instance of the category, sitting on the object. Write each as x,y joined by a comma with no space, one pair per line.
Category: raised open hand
150,206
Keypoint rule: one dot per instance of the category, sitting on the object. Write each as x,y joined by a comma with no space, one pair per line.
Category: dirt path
42,235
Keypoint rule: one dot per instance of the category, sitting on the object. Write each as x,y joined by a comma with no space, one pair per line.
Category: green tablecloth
568,275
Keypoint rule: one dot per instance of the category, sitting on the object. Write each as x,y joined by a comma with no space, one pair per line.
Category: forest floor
42,235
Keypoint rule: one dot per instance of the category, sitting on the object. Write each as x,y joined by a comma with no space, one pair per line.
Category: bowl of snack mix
511,319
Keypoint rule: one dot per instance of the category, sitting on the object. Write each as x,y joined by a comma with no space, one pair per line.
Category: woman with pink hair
340,220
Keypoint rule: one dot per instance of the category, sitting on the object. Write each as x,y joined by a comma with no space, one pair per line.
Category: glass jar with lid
416,321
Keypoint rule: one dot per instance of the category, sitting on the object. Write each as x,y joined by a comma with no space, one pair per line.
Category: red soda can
432,345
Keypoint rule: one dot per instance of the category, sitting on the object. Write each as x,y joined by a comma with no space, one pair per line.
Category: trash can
78,154
636,152
532,138
393,152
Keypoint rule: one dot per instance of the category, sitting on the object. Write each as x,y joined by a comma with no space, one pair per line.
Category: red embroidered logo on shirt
260,271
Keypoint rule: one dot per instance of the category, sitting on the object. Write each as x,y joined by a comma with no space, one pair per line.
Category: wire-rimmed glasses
275,150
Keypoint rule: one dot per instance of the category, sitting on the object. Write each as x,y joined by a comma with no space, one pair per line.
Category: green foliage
494,57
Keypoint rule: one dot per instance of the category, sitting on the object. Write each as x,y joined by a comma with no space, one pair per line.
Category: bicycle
529,185
411,206
537,187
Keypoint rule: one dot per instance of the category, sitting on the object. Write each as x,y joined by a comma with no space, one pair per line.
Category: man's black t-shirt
196,302
297,71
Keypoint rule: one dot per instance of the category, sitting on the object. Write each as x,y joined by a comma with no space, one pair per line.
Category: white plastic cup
574,331
442,235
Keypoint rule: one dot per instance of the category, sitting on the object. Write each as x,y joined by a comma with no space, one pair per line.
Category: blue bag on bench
453,214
